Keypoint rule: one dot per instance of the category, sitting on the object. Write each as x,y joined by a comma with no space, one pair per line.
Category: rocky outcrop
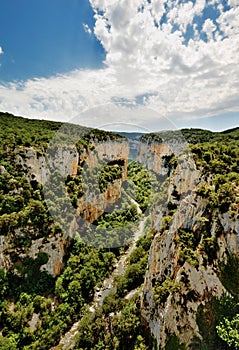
66,160
55,248
38,165
107,152
193,283
152,156
92,207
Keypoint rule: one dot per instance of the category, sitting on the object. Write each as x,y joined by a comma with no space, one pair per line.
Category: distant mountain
131,135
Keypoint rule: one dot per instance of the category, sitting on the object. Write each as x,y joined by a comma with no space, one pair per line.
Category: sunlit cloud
167,56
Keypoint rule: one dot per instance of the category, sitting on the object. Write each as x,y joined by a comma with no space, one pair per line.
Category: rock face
197,283
106,152
66,160
152,156
92,207
171,308
181,275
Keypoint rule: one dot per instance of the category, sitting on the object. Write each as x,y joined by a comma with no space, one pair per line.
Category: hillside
116,242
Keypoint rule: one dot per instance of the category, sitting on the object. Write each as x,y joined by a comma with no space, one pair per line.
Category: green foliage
30,278
163,290
228,330
140,343
169,136
220,161
187,242
28,291
135,271
212,314
120,316
133,276
7,343
170,162
85,267
210,247
151,137
142,183
113,229
229,274
16,131
108,174
75,187
3,284
173,343
102,136
126,330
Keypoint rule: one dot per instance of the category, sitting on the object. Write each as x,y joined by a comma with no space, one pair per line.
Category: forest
38,308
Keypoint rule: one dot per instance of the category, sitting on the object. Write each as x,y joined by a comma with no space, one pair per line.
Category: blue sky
46,37
139,61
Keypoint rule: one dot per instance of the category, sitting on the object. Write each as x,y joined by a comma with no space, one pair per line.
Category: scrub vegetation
37,309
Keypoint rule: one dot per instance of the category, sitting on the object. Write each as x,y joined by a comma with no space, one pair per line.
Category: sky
120,64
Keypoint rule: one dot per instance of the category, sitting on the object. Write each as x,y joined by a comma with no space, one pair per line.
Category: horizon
125,131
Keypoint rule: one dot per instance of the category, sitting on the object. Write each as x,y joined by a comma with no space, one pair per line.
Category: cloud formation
87,28
180,59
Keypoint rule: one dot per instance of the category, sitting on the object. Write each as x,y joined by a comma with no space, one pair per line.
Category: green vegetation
135,271
228,330
120,331
108,174
229,274
120,315
164,289
173,343
187,243
151,138
192,136
17,131
220,161
141,184
84,269
210,316
27,290
113,229
36,309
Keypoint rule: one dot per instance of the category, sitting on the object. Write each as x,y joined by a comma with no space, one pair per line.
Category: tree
7,343
229,331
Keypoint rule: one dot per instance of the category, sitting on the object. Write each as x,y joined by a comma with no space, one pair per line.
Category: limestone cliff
183,273
39,166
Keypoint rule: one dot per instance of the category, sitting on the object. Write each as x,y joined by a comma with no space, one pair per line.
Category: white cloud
1,50
229,23
233,3
87,28
148,59
209,28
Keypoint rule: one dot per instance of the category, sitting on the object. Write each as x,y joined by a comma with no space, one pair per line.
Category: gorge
72,199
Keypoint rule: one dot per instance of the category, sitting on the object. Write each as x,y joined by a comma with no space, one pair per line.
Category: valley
115,241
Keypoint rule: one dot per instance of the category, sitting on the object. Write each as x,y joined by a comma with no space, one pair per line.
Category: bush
162,291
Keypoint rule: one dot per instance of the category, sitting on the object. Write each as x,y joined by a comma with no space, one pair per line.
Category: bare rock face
55,248
195,284
92,207
176,284
151,155
107,152
66,159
